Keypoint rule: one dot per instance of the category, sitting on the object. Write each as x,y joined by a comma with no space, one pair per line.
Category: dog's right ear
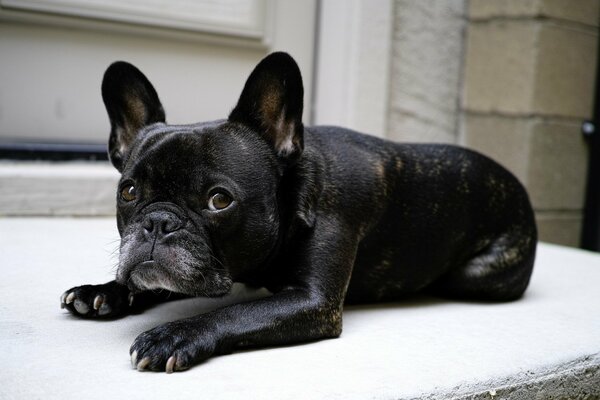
131,103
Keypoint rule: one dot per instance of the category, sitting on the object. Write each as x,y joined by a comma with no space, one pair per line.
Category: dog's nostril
161,223
148,224
170,225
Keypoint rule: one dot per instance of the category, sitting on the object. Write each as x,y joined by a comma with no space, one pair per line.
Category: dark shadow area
590,235
52,151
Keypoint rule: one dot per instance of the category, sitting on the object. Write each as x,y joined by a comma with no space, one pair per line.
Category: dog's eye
128,193
219,201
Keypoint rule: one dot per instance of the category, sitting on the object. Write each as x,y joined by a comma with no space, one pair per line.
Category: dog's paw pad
92,301
81,307
104,309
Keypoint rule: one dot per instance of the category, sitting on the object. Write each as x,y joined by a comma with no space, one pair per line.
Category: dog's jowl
320,216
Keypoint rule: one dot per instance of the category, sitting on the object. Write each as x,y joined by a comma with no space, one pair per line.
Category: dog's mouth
181,262
153,275
148,275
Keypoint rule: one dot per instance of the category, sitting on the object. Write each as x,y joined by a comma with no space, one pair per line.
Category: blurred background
514,79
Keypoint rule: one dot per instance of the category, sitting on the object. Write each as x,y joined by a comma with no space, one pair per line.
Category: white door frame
352,64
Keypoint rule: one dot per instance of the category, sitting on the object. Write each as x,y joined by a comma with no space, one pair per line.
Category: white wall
50,72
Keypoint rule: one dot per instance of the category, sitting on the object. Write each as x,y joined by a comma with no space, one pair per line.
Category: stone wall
529,79
510,78
426,69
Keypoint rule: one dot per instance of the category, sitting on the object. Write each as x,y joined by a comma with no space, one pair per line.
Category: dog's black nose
160,223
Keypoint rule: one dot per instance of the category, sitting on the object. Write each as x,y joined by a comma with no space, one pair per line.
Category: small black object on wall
590,236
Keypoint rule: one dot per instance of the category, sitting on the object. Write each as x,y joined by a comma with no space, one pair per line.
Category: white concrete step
545,346
57,188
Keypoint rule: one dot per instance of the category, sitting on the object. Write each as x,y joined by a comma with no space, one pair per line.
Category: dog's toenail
170,364
104,309
134,359
98,301
143,364
81,307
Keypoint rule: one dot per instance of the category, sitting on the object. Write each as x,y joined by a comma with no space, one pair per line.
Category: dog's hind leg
500,271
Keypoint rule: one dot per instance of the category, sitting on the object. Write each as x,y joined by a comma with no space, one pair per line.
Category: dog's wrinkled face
197,205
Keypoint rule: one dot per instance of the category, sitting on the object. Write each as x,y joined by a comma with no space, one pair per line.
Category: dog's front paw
175,346
97,301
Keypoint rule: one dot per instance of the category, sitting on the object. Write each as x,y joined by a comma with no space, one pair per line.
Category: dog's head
198,206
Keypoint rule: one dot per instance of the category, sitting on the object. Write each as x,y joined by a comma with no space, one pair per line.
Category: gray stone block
407,127
559,227
581,11
549,157
480,9
525,67
426,69
506,140
565,71
500,66
584,11
557,172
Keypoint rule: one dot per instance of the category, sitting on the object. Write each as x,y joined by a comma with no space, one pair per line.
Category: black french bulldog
320,216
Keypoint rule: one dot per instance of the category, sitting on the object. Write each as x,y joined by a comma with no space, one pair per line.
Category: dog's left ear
271,103
132,103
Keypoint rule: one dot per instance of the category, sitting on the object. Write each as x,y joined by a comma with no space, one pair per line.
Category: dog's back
435,217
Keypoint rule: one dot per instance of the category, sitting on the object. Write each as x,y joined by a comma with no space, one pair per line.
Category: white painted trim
245,18
294,26
353,63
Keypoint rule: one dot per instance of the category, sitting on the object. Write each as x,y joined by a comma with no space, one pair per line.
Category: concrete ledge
543,346
57,189
577,379
560,227
578,11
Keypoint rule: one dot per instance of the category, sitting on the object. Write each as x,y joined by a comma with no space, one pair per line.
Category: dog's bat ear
131,103
271,103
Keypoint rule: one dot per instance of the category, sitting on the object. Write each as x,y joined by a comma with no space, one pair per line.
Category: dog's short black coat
320,216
